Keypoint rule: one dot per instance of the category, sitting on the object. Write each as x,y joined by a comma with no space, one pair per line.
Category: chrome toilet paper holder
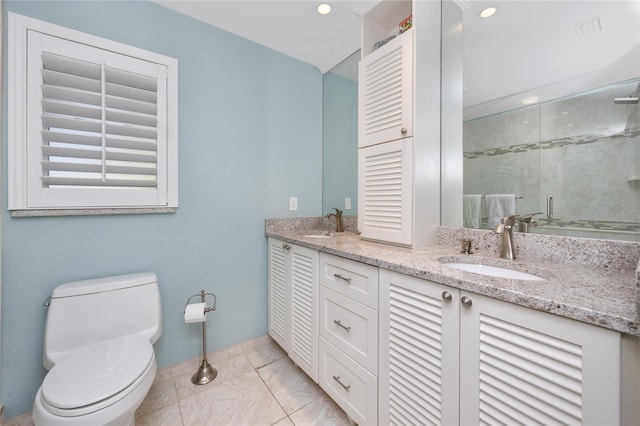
205,373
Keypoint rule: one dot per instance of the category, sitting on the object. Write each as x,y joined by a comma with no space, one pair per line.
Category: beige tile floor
257,384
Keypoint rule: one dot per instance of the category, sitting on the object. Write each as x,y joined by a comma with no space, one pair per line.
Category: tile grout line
175,386
286,415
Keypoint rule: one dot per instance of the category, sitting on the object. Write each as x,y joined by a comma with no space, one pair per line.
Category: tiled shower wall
583,150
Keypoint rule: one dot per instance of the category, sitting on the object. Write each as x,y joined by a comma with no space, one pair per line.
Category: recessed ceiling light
529,100
488,12
323,8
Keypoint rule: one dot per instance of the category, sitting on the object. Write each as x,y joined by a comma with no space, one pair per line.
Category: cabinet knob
403,130
466,302
286,246
446,296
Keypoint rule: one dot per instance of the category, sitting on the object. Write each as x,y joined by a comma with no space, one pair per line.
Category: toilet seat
97,375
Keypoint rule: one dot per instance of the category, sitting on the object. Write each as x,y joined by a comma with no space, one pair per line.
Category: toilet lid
95,372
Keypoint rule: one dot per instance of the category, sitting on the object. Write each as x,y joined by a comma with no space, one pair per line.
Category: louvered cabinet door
304,310
520,366
418,360
385,192
385,92
279,292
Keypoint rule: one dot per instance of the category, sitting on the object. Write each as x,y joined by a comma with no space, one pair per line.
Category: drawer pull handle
337,379
338,322
286,246
347,279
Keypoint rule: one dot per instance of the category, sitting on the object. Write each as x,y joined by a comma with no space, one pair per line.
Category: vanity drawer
353,279
352,387
351,327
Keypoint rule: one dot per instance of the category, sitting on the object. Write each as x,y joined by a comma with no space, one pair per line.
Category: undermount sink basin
494,271
317,236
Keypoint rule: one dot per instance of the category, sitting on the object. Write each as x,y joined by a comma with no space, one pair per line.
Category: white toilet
98,350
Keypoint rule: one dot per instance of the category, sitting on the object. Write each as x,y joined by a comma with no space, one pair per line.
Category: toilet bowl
98,347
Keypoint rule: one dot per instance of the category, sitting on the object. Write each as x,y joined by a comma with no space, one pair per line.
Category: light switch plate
293,203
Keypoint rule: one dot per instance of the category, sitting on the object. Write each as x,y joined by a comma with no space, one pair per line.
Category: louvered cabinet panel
418,370
304,310
293,302
278,293
385,192
520,366
385,92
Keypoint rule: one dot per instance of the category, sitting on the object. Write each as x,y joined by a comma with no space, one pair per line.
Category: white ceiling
546,48
292,27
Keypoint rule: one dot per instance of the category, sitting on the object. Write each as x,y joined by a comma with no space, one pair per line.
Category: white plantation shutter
97,127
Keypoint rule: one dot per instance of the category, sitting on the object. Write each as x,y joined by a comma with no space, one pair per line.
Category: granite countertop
600,295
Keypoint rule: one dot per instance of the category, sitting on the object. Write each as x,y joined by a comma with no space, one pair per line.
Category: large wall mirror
551,116
340,137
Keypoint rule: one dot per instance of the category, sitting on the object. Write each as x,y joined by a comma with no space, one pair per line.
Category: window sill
91,212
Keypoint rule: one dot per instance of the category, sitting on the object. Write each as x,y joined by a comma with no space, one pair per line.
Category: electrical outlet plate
347,203
293,203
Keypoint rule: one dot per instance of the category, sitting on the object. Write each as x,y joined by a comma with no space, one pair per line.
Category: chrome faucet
505,229
338,216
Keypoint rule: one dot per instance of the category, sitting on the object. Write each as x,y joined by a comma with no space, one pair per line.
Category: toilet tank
89,311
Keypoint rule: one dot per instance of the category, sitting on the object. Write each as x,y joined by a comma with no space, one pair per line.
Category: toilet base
205,374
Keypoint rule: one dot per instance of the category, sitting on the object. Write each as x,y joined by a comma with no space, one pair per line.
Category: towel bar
518,197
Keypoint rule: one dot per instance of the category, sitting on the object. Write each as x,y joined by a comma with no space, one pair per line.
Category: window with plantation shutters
99,128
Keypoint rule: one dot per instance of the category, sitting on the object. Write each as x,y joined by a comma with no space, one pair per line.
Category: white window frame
23,135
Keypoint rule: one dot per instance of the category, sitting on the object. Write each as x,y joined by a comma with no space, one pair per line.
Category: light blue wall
250,136
340,143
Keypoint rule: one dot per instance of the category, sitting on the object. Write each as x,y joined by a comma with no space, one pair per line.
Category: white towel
471,210
499,206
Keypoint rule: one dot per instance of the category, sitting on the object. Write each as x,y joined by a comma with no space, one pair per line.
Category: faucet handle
338,211
526,218
509,221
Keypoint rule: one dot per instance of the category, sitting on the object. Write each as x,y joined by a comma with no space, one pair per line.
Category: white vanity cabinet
293,302
349,336
507,363
527,366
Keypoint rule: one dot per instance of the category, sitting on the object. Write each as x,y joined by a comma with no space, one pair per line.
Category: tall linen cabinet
399,125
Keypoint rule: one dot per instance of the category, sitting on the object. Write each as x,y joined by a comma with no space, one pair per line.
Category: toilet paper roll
195,313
